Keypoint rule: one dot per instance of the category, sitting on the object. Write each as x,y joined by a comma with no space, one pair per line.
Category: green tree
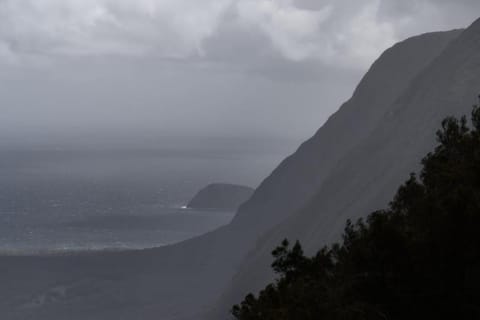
418,259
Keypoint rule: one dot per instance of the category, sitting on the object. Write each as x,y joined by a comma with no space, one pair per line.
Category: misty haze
239,159
81,197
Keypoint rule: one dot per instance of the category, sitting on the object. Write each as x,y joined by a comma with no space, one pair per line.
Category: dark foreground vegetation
418,259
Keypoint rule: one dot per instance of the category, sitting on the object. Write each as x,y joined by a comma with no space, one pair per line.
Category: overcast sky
270,68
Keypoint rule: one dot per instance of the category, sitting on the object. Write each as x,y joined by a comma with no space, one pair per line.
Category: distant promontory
221,196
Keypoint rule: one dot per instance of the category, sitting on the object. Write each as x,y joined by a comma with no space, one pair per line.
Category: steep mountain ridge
368,175
300,175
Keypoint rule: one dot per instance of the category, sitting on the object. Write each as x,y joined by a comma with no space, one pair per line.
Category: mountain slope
365,178
300,175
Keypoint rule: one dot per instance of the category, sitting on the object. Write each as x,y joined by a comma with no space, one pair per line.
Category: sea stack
221,196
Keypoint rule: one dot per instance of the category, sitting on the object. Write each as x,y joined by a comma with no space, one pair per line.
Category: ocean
55,200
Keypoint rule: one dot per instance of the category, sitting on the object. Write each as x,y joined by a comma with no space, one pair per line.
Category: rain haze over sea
56,198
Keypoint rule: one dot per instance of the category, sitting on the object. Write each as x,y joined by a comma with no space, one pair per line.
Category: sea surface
55,200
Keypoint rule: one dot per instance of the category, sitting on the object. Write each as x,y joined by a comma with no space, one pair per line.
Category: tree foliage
418,259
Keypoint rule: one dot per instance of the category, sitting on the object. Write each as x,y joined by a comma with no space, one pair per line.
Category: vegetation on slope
418,259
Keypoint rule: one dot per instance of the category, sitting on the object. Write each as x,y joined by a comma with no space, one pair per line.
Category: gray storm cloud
339,31
352,32
178,28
